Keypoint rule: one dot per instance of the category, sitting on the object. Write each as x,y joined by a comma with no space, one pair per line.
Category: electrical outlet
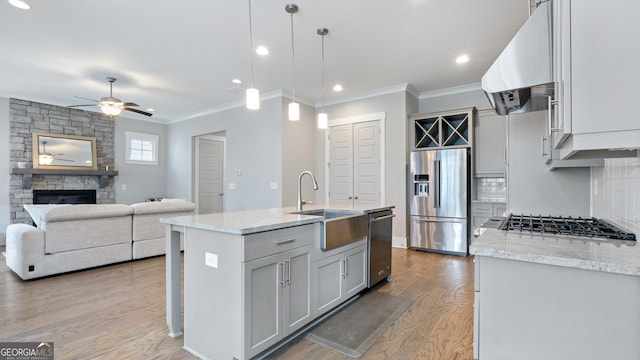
124,186
274,185
232,186
211,260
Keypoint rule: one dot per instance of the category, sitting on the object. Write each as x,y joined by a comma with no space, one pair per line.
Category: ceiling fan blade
137,111
129,104
56,159
83,105
84,98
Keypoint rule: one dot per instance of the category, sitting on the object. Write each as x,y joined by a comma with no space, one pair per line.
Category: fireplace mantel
27,174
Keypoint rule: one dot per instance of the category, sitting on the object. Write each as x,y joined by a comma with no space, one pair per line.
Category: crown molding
228,106
450,91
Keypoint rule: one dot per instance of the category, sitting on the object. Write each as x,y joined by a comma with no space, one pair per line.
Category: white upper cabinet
596,75
490,140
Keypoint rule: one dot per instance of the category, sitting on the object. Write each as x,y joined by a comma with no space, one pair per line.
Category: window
141,148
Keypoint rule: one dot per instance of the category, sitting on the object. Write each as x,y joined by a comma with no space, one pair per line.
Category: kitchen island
541,296
253,278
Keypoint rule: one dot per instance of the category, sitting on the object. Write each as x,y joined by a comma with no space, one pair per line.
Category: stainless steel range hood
521,79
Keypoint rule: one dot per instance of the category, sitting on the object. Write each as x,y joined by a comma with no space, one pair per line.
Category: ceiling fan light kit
111,106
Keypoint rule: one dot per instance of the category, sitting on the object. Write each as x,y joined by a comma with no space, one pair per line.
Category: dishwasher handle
380,218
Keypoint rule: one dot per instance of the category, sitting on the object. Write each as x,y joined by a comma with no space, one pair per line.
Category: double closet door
354,164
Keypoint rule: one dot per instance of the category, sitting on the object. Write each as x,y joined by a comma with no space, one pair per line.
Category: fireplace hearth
64,196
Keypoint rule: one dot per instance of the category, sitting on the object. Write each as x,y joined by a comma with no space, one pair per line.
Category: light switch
124,186
274,186
232,186
211,260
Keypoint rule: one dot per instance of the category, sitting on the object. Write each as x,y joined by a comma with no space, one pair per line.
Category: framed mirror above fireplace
61,151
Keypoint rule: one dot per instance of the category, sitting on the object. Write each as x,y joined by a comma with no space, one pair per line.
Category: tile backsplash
615,193
491,189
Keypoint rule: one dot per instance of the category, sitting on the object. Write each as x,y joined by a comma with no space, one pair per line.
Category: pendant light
323,119
253,95
294,107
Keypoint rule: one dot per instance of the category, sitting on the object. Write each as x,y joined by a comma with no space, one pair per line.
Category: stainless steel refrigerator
439,200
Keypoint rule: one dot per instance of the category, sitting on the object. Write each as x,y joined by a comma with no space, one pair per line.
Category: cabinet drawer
272,242
482,208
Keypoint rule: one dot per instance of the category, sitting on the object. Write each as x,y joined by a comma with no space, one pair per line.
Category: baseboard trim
399,242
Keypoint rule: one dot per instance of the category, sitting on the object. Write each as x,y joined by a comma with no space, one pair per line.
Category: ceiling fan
45,158
113,106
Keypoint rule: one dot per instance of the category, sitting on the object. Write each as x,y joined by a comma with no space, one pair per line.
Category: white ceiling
179,57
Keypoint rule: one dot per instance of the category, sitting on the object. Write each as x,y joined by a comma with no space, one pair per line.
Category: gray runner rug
356,327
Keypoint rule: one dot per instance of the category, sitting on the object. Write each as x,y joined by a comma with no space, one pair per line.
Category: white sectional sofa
74,237
149,238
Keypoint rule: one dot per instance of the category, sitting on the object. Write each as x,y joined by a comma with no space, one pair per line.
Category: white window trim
128,135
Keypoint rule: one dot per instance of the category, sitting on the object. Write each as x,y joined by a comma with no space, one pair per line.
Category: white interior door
341,164
355,163
366,157
210,179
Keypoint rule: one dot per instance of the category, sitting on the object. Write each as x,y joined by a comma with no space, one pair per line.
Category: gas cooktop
590,227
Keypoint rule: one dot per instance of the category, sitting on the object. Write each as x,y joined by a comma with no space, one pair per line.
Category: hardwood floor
118,312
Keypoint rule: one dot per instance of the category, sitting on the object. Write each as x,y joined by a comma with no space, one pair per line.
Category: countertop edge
260,220
241,231
496,244
557,261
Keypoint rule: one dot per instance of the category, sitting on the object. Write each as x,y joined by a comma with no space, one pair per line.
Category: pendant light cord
323,72
293,61
251,42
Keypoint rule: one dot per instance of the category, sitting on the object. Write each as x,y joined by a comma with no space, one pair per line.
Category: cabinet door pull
551,103
346,267
286,241
281,263
288,271
542,140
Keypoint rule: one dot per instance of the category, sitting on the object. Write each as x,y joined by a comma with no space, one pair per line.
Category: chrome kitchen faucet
315,187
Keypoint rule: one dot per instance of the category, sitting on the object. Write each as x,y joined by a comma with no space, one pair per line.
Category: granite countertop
253,221
614,256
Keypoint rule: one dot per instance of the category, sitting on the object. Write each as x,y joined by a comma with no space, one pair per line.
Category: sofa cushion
38,212
82,212
164,206
61,236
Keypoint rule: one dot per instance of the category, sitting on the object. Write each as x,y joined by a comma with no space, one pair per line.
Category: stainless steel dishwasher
380,226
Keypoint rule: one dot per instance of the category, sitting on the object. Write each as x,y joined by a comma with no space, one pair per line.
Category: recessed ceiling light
337,87
236,81
462,59
151,110
262,50
20,4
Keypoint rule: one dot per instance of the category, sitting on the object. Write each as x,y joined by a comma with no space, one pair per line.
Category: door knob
356,198
349,198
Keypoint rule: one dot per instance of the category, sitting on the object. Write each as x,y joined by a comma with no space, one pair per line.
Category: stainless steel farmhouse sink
339,227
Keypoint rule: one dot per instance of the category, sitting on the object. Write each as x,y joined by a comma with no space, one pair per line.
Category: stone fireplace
26,117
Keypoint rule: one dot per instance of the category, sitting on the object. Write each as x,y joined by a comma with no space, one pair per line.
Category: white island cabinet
555,298
339,275
250,291
254,278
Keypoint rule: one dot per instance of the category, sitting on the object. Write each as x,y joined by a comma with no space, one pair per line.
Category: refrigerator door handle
436,193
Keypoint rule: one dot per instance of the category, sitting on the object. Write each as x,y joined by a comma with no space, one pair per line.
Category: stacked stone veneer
26,117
